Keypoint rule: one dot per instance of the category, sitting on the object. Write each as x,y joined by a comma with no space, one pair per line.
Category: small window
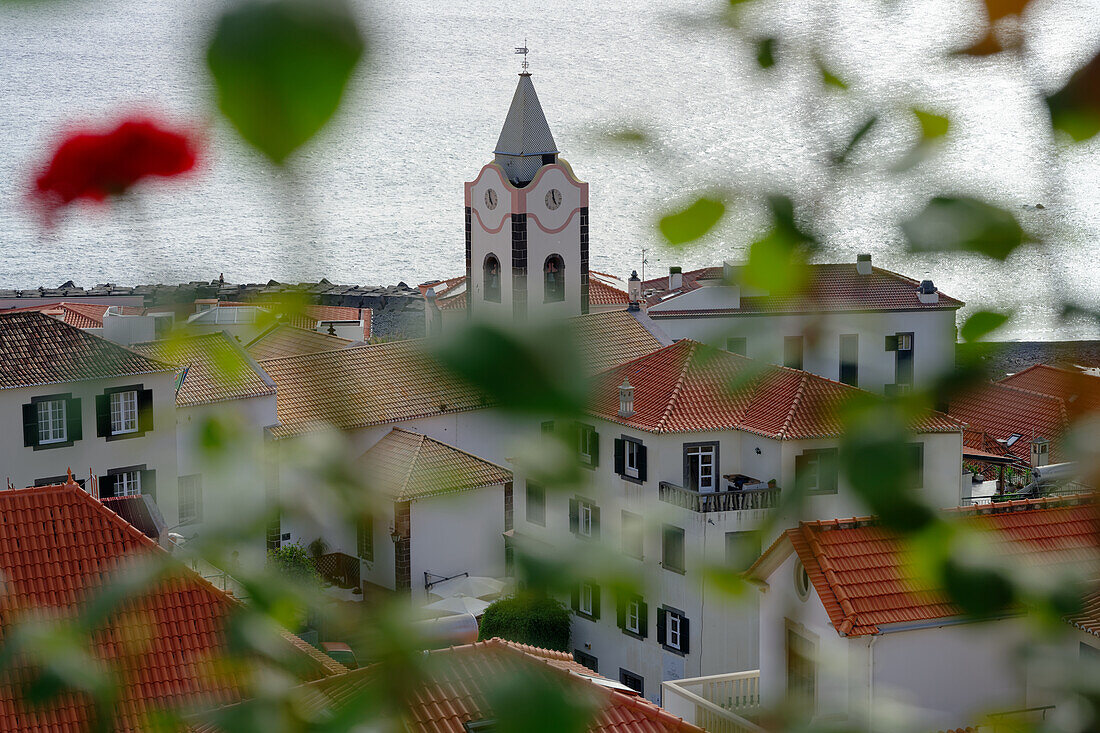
632,681
364,538
633,534
632,455
905,342
630,459
849,359
792,352
584,527
672,630
584,518
190,498
124,412
586,659
553,271
700,466
586,599
588,444
672,548
801,670
128,483
547,427
536,503
738,345
801,580
816,471
51,422
491,278
633,620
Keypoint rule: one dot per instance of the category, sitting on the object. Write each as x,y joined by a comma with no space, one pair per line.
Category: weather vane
523,50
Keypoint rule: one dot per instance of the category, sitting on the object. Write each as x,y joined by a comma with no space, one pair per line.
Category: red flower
94,166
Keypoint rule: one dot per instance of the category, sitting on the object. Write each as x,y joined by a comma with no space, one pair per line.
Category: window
630,459
672,548
584,518
632,681
553,273
742,549
51,421
588,445
632,615
547,427
124,412
815,471
914,457
128,483
276,537
586,659
673,630
491,275
801,580
700,463
849,359
536,503
364,538
792,352
190,498
902,345
633,534
586,600
801,670
737,345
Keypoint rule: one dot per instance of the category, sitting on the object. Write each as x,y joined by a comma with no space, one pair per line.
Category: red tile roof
604,289
58,547
310,315
36,349
450,294
458,684
218,369
1088,620
1079,392
1001,410
865,582
831,287
80,315
689,386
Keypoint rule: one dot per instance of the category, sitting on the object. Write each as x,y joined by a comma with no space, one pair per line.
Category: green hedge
528,619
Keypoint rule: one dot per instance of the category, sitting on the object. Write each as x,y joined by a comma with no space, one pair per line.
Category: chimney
675,278
626,398
863,264
927,293
634,291
1040,452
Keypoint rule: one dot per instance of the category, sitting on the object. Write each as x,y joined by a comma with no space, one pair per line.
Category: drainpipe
871,680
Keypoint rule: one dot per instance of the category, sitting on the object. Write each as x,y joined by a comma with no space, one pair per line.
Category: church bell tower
526,223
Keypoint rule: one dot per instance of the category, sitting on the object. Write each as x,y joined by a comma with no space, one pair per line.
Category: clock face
553,199
491,199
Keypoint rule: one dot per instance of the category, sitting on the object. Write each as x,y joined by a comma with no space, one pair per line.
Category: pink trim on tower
538,223
485,228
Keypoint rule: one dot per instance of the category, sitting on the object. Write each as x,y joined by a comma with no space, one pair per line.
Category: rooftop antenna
524,50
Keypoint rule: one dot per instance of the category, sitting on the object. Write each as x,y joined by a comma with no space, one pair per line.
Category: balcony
719,501
721,703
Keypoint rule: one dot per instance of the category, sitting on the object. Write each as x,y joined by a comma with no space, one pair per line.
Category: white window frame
190,499
634,616
584,519
709,452
584,443
584,603
905,342
630,458
51,422
128,483
672,633
124,412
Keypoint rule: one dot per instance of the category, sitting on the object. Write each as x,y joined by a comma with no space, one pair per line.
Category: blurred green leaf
1075,108
980,592
777,262
693,222
865,128
530,702
962,223
765,53
932,126
280,69
629,136
981,323
828,78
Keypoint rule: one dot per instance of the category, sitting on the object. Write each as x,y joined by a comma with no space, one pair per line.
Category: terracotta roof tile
283,340
1088,620
611,338
1079,392
865,582
1001,410
458,683
406,465
832,287
604,289
689,386
58,546
217,368
36,349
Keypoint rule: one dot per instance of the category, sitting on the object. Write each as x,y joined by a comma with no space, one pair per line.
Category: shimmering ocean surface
378,199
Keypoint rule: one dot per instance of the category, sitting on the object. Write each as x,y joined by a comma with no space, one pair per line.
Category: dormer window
553,273
492,279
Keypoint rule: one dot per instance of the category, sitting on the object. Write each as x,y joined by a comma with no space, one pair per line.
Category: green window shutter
149,483
620,456
892,343
643,618
102,415
574,518
107,485
620,610
575,599
685,635
73,427
595,521
662,618
145,410
595,601
643,471
595,444
30,424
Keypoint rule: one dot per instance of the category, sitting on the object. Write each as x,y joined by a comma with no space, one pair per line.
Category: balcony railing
721,703
718,501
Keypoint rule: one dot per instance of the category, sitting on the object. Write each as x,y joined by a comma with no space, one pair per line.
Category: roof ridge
455,448
851,618
404,485
794,407
304,357
677,388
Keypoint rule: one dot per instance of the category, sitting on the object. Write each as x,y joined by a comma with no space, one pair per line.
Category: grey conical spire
525,142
